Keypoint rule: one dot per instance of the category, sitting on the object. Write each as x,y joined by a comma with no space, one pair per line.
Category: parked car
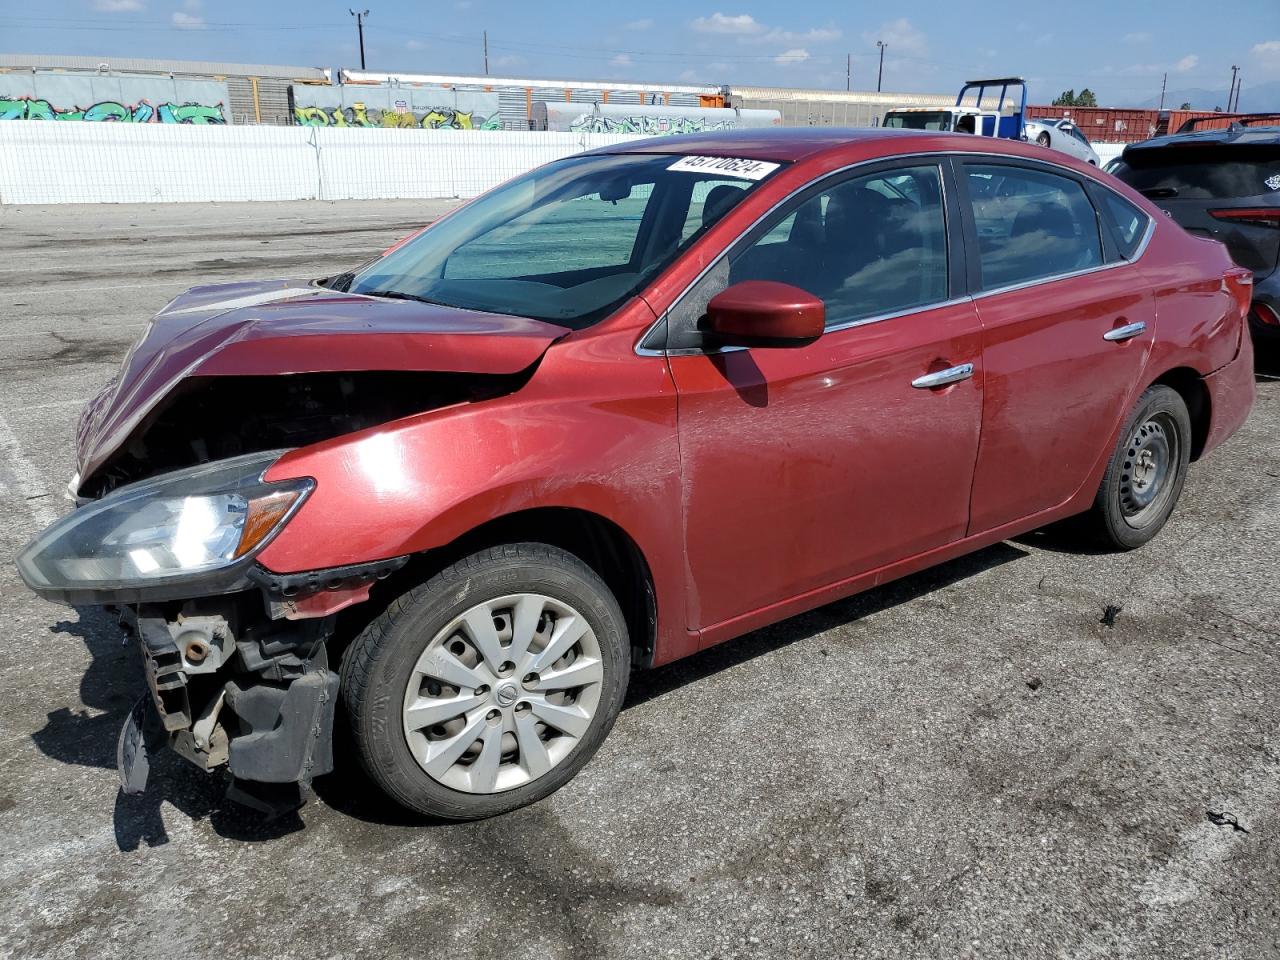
1061,134
622,408
1222,183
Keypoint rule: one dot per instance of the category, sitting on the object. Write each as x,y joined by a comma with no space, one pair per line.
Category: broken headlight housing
186,533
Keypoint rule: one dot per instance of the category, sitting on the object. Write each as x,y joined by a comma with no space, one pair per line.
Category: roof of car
797,143
1240,136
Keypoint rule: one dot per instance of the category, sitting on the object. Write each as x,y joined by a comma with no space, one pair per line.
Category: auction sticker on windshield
729,166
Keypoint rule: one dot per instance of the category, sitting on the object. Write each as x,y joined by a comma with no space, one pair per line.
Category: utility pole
1239,87
1163,83
1232,93
486,53
360,29
848,71
880,76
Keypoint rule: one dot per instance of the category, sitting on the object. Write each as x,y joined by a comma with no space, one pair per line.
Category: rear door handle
943,377
1127,332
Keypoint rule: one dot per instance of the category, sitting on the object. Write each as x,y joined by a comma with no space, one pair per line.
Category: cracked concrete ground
967,763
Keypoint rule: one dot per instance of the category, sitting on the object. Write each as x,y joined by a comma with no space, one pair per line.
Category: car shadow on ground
114,680
351,793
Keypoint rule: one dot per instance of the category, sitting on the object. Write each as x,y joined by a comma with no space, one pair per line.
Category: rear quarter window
1128,223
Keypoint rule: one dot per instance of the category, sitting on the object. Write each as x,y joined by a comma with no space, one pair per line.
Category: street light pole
1232,93
360,29
880,76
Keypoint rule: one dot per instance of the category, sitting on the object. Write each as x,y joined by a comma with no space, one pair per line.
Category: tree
1186,105
1069,98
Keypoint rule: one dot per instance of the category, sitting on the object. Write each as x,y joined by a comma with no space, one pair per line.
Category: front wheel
489,686
1147,470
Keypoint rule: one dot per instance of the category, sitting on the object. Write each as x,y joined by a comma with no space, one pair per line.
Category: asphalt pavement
1030,752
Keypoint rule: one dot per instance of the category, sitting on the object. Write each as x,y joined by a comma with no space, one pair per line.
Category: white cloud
118,6
796,55
901,36
1267,53
509,60
793,38
187,21
1189,62
742,24
643,24
622,62
1140,37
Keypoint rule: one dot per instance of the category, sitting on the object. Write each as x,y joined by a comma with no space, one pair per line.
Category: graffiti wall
383,105
119,98
649,121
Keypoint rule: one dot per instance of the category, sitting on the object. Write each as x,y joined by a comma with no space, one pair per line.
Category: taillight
1255,216
1238,282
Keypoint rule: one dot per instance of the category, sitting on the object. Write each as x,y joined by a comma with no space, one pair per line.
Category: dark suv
1222,183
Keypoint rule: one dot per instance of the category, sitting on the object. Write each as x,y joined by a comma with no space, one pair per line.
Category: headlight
188,524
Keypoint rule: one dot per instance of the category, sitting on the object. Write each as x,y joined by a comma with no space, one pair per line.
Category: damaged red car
624,407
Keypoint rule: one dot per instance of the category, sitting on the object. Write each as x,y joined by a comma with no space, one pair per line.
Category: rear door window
1031,224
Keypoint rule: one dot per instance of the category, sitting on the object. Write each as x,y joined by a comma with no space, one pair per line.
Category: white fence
69,162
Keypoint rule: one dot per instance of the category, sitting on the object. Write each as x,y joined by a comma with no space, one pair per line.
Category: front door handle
1127,332
943,377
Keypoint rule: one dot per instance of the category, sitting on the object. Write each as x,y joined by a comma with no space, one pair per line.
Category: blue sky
1119,49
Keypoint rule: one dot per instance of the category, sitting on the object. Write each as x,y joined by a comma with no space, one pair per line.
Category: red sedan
629,405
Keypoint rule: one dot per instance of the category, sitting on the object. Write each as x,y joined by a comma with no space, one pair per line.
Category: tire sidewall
412,622
1157,399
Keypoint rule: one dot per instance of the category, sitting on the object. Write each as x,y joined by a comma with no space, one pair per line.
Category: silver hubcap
503,693
1150,461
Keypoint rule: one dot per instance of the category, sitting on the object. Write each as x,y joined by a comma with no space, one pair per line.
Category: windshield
568,242
919,120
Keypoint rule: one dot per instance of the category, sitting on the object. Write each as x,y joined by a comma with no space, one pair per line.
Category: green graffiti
361,115
110,111
649,126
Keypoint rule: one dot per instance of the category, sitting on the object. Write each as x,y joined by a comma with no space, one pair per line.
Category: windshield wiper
397,295
339,281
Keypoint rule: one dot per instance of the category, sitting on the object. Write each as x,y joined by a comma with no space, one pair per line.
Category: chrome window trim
1032,161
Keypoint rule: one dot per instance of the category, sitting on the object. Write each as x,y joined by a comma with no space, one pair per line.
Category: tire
405,716
1043,139
1145,475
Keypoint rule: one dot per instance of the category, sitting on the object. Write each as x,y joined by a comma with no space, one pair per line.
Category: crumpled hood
271,327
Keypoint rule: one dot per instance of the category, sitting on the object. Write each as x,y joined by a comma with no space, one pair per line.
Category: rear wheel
1147,470
489,686
1043,139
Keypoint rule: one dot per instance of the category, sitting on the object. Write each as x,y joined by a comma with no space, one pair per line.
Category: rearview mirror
763,313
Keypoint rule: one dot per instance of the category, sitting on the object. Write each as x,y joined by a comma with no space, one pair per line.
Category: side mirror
763,313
